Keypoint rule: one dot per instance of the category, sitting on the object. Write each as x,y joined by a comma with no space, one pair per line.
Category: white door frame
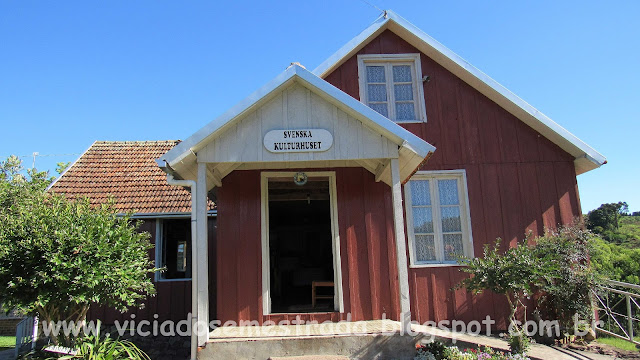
264,229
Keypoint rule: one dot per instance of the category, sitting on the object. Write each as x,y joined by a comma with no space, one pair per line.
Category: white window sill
409,121
431,265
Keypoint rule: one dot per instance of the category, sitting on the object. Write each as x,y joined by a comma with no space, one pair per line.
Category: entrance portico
300,124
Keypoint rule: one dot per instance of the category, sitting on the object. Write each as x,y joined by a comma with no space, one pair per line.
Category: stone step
310,357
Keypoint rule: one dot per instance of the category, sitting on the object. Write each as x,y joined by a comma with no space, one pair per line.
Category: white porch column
401,247
202,262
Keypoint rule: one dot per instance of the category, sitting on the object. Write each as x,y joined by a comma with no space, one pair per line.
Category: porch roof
396,142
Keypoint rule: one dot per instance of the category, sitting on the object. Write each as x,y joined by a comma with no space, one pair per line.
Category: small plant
519,342
436,348
423,354
94,347
437,351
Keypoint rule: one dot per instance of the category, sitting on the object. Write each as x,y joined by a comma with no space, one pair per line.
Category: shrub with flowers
453,353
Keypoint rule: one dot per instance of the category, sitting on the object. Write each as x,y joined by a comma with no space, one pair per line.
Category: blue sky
72,72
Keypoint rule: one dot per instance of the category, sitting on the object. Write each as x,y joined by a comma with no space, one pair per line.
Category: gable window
173,248
438,221
392,85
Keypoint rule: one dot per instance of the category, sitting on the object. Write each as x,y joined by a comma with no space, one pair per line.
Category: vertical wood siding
173,298
518,181
369,278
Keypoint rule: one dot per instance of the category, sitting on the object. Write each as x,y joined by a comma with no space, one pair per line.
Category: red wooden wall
173,298
518,181
369,276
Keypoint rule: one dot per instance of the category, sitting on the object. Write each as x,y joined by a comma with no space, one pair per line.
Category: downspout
194,273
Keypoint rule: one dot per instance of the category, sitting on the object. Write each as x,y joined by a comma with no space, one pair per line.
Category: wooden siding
173,298
369,276
297,108
518,180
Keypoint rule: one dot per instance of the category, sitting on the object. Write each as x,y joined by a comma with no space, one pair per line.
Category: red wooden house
330,196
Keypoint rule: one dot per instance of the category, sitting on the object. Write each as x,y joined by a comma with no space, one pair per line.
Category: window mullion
437,221
391,105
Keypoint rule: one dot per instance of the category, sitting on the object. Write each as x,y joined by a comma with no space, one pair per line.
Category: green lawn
619,343
7,342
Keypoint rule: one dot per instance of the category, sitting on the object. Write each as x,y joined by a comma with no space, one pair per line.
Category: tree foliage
566,290
513,273
58,256
606,217
555,268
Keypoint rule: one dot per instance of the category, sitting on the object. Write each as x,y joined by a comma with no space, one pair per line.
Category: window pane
402,73
403,92
422,220
405,111
176,256
450,219
377,92
448,190
381,108
453,246
425,248
420,194
375,74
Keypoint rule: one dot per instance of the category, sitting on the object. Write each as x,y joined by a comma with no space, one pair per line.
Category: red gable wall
518,181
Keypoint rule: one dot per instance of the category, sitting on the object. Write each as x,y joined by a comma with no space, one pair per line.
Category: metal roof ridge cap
499,88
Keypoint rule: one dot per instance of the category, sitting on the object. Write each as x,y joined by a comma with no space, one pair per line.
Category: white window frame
264,225
387,60
159,245
465,216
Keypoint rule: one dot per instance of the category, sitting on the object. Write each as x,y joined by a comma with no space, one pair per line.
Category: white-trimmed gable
586,158
297,99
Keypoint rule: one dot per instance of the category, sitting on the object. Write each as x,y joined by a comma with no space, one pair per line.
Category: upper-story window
391,84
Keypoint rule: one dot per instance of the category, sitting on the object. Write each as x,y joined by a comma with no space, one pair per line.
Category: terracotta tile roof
127,171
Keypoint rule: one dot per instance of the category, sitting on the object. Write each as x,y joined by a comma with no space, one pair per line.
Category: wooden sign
301,140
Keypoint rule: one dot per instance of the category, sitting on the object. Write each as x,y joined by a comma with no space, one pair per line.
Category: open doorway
301,245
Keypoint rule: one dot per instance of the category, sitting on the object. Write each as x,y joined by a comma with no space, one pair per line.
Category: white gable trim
186,150
586,158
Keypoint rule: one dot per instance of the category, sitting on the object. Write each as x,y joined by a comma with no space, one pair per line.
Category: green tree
514,273
59,256
566,289
606,217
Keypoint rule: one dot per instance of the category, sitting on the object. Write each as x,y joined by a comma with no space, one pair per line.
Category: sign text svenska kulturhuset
299,140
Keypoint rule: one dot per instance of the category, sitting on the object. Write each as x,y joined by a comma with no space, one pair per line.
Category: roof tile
127,171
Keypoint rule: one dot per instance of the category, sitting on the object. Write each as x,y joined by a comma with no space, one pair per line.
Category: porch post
202,262
401,248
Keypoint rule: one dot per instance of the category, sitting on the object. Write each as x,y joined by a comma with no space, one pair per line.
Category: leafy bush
515,273
96,347
58,256
566,289
519,343
555,268
453,353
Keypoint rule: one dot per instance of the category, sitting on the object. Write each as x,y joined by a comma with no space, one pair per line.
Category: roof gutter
194,269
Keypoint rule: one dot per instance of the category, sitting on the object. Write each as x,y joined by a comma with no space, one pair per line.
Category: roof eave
474,77
183,155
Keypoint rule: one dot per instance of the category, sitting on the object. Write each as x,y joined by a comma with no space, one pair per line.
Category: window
438,222
392,86
173,248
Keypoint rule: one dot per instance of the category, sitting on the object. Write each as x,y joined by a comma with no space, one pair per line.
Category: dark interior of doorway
300,245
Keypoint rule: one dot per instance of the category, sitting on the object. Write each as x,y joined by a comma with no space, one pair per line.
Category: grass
7,342
618,343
